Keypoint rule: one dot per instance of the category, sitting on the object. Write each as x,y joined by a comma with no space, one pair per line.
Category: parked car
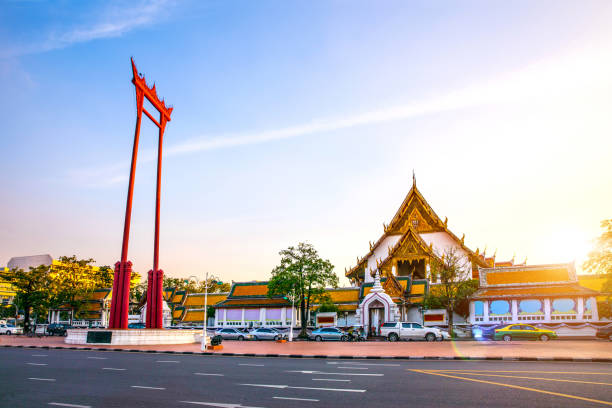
395,331
604,333
485,332
231,334
523,332
58,328
328,333
137,325
10,329
264,333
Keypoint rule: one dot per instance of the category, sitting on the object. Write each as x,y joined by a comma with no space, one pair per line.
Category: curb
322,356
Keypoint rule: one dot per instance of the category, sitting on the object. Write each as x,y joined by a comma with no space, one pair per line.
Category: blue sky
303,121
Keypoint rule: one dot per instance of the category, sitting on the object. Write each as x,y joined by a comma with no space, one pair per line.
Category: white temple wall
381,252
442,242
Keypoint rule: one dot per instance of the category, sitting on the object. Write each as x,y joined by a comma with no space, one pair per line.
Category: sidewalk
566,350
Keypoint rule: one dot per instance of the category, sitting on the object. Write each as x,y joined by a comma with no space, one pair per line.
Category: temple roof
527,275
570,289
413,218
249,289
197,299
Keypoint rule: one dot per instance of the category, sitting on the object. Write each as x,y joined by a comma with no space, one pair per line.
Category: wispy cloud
554,80
114,21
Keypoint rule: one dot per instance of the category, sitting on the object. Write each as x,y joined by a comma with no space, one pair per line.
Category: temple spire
377,287
413,179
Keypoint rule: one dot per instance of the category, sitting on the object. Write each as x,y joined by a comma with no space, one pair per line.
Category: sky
304,121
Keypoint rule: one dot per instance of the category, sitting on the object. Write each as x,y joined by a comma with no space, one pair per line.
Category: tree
72,280
303,273
456,284
32,289
600,262
192,286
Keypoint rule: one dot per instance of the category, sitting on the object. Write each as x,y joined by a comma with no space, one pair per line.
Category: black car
485,332
604,333
58,328
136,326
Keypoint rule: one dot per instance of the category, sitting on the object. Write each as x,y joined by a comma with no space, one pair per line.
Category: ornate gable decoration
415,213
392,287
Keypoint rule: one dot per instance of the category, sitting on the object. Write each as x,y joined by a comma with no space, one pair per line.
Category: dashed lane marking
114,369
518,387
303,388
296,399
211,374
37,364
41,379
217,404
330,379
63,404
324,373
532,378
39,355
354,368
98,358
251,365
345,363
168,361
147,388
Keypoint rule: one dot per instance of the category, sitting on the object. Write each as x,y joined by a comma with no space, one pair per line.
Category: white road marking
252,365
168,361
61,404
98,358
39,355
147,388
216,375
297,399
114,369
355,368
329,379
363,364
217,404
37,364
41,379
324,373
303,388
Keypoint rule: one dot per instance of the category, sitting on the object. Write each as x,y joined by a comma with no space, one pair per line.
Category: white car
395,331
10,329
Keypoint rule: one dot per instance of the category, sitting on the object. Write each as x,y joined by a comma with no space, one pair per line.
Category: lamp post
206,286
292,296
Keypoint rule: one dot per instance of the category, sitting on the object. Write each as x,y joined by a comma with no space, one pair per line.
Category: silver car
231,334
264,333
328,333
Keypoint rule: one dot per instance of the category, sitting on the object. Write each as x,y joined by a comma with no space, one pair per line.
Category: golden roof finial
525,261
413,179
462,239
371,245
445,222
477,251
385,227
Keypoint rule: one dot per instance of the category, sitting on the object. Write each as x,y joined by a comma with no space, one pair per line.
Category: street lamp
206,286
291,297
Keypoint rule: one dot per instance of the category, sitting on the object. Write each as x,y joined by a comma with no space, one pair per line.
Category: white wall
442,242
381,252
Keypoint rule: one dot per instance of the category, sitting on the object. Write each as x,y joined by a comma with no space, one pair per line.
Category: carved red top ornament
151,94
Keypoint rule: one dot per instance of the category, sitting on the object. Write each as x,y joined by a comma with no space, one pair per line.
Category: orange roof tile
197,299
528,275
556,290
258,289
254,302
343,295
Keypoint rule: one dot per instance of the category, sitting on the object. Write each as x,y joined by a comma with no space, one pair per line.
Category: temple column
514,311
242,318
224,317
594,312
580,308
472,312
547,310
485,311
284,316
262,316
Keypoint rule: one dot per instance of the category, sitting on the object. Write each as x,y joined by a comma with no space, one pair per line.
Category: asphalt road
70,378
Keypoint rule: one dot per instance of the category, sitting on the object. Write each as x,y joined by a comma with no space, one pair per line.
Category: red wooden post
123,268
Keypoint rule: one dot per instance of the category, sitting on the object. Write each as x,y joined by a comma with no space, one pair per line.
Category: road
71,378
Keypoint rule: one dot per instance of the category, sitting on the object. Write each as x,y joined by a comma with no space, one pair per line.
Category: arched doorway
376,314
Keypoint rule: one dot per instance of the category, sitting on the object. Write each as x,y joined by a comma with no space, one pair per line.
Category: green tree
600,262
73,280
303,273
456,284
32,290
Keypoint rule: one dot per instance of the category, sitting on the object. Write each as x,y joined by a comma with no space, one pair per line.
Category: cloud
553,81
115,21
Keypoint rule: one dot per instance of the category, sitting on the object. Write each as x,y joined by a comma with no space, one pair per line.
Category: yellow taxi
523,332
